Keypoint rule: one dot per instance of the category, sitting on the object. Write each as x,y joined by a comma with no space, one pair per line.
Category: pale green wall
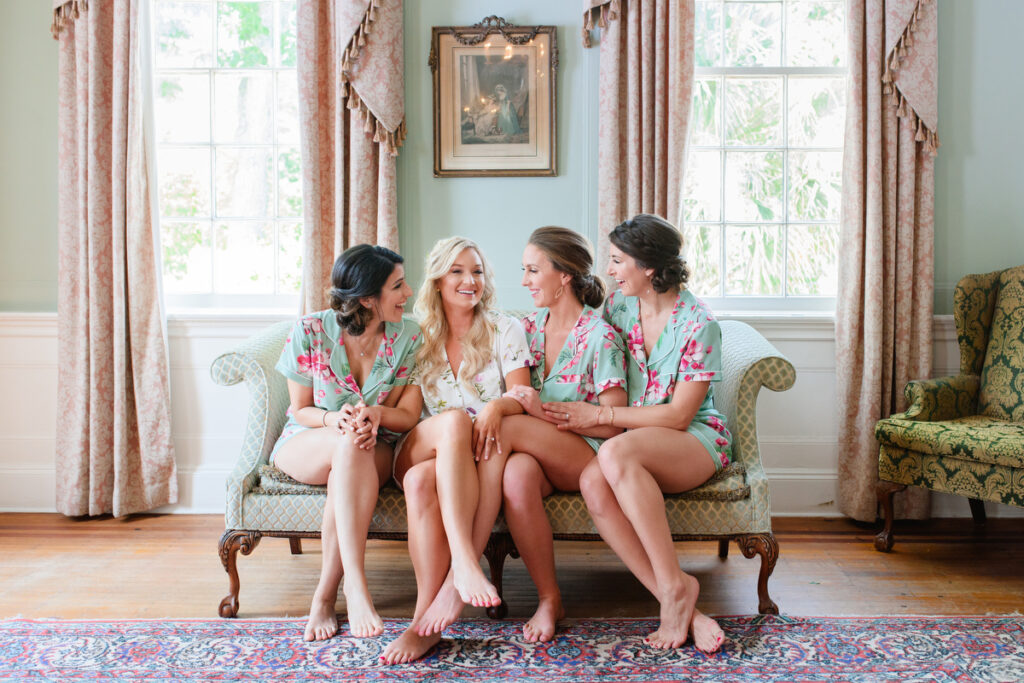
979,173
979,188
28,157
498,213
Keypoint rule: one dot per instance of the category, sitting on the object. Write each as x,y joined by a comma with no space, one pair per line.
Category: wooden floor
167,566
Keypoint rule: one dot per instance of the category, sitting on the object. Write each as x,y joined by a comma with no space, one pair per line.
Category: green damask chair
964,434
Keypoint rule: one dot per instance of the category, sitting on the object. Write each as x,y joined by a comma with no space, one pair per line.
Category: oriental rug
758,648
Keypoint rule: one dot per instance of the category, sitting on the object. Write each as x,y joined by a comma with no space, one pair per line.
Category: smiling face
390,304
463,285
541,277
632,279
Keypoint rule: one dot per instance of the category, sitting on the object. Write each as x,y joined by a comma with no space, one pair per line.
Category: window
227,143
764,167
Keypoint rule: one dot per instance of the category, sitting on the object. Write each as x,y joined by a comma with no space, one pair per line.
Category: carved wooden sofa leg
498,547
767,547
885,490
231,542
295,543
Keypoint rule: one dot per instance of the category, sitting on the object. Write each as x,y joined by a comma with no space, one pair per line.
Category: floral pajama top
688,350
451,392
591,361
314,356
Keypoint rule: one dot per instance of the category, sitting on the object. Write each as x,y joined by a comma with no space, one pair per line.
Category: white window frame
184,305
757,304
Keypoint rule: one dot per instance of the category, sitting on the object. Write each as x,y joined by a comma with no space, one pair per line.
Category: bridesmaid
574,356
675,439
347,369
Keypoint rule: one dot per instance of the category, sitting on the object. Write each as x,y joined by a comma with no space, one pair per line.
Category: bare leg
428,548
617,531
356,476
323,618
458,492
638,466
448,605
525,487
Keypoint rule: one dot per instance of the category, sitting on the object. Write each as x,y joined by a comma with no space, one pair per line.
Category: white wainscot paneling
797,428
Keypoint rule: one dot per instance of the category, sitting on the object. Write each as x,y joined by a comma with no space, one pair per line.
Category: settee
733,506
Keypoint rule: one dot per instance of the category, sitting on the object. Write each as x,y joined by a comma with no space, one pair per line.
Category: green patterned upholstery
262,500
965,434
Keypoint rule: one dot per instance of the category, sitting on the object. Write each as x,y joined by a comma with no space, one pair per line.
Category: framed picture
494,99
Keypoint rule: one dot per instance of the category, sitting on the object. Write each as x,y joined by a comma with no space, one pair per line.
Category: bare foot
473,586
323,620
677,605
443,611
541,627
363,620
409,646
707,634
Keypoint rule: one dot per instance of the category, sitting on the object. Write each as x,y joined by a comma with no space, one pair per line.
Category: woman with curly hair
675,439
347,369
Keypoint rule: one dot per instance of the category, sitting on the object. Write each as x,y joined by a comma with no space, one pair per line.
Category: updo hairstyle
361,271
570,253
656,244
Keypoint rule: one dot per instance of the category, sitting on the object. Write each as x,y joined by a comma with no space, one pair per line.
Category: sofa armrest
942,398
252,362
749,362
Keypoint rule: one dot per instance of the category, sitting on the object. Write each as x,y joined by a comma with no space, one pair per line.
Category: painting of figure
494,92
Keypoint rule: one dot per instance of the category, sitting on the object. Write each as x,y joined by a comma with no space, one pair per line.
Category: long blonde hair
478,343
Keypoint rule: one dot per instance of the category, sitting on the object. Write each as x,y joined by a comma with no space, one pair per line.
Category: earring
561,289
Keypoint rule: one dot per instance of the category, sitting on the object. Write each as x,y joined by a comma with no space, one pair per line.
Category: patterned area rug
758,648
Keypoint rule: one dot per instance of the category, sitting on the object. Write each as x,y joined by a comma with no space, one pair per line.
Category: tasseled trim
892,65
922,133
600,16
65,14
381,135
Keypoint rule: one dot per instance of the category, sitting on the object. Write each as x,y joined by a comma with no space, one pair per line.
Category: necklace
374,343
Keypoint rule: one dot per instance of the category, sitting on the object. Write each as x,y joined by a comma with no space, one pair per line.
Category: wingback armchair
733,506
964,434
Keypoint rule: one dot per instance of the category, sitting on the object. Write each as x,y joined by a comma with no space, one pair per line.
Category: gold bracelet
600,414
325,417
611,420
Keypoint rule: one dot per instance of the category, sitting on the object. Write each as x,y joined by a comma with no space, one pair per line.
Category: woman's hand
529,399
368,420
573,415
487,432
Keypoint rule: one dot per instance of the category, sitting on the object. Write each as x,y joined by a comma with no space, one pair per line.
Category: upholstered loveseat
262,501
964,434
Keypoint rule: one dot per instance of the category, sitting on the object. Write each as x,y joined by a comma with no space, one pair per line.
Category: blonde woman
450,465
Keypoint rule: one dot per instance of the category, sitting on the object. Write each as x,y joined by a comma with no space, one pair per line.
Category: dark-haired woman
574,356
675,439
347,370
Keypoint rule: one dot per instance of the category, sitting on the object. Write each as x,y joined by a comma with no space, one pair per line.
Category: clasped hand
572,415
361,422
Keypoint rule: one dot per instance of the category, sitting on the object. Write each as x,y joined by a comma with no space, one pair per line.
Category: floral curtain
114,448
351,109
886,270
646,91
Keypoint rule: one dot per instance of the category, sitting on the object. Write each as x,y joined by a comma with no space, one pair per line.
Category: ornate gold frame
445,38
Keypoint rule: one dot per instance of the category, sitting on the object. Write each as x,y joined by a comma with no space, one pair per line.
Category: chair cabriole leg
767,547
231,542
885,490
498,547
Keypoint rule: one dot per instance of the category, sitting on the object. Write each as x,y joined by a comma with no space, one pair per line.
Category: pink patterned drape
646,91
114,449
886,271
351,109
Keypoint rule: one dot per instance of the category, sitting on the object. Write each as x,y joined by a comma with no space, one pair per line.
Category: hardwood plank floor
153,566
